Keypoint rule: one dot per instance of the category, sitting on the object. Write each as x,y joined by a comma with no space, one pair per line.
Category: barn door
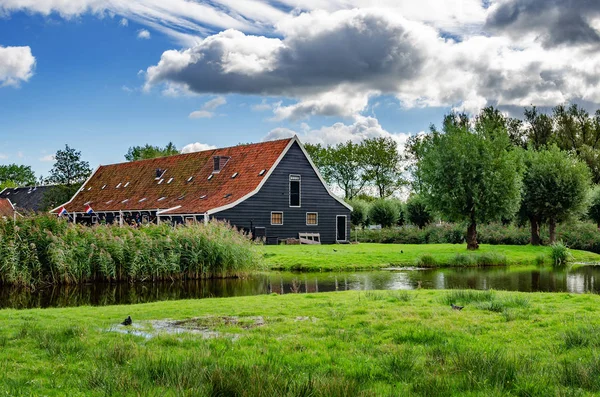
341,228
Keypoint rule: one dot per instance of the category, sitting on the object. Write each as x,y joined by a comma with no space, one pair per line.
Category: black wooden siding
274,196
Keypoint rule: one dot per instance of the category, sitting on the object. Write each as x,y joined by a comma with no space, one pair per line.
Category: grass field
373,256
334,344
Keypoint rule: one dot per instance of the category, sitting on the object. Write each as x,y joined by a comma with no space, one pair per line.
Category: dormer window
159,173
218,163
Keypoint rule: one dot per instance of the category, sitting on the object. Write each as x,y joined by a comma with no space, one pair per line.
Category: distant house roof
6,208
181,184
25,198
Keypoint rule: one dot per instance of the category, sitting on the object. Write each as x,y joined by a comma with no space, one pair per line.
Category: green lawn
333,344
373,256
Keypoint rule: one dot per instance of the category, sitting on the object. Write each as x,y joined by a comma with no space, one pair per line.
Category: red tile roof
132,186
6,208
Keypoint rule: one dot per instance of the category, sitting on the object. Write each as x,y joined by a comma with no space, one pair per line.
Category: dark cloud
364,50
555,22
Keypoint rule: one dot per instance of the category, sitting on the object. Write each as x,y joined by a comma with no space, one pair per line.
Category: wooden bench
310,238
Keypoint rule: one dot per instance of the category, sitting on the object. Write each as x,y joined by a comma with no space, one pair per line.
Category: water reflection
584,279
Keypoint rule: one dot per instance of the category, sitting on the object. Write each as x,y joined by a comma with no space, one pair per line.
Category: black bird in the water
456,307
127,321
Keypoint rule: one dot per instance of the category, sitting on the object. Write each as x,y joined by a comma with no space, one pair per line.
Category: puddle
200,326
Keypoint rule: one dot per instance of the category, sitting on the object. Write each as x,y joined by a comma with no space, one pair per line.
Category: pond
527,279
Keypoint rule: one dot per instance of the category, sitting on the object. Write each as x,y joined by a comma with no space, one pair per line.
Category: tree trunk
535,230
472,235
552,230
598,225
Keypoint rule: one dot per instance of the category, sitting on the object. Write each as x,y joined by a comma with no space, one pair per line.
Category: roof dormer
219,163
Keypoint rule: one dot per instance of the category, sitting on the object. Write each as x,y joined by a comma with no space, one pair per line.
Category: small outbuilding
271,189
26,199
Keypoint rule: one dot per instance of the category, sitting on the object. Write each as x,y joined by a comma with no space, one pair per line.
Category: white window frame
345,227
312,224
276,212
299,191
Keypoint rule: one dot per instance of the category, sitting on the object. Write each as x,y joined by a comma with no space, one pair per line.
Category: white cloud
3,156
48,158
362,128
197,147
201,114
208,109
20,155
262,106
124,22
16,65
127,89
143,34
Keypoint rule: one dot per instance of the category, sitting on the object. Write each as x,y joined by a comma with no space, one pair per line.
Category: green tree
540,129
417,212
341,165
67,174
383,212
68,168
555,187
13,175
594,209
382,165
150,152
471,174
579,133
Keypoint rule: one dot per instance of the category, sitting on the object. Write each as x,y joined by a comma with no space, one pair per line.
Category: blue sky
77,74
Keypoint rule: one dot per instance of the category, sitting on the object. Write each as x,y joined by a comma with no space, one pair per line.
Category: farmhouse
271,189
26,199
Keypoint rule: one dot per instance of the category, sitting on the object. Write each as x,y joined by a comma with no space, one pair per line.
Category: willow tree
471,172
555,187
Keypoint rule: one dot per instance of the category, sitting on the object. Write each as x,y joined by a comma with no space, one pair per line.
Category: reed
47,250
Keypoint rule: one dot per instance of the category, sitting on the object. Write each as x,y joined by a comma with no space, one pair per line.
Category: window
261,173
295,190
312,218
142,200
216,164
161,181
119,185
234,175
161,199
191,178
170,180
103,187
127,184
276,218
210,177
203,197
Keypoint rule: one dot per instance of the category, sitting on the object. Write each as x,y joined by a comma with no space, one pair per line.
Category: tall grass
44,249
560,255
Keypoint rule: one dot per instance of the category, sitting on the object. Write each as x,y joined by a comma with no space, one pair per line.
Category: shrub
463,260
384,213
426,261
594,210
359,214
417,212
